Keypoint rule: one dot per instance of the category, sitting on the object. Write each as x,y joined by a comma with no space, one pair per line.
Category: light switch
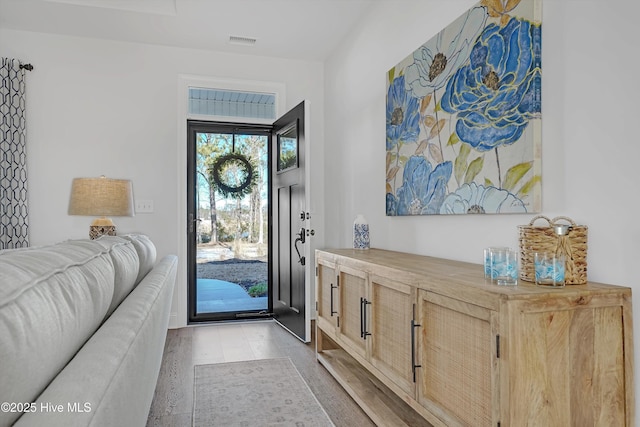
144,206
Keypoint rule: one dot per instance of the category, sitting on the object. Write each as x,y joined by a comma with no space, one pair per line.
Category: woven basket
543,239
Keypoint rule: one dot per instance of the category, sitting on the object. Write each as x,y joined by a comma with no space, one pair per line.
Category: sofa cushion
146,253
52,299
126,265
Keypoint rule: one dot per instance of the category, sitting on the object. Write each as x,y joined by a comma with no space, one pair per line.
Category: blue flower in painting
498,92
402,115
473,198
435,60
423,188
392,205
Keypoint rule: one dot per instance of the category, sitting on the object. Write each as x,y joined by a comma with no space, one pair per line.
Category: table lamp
101,197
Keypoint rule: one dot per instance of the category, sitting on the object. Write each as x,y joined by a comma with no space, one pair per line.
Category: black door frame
199,126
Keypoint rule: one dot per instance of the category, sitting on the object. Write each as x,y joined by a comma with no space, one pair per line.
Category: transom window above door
232,103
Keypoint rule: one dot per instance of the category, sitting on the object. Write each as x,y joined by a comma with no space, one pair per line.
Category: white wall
98,107
590,146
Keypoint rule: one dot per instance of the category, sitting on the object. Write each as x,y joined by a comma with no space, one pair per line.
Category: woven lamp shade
101,197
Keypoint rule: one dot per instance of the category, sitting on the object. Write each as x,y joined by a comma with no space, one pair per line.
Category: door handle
300,238
363,318
414,325
191,221
331,302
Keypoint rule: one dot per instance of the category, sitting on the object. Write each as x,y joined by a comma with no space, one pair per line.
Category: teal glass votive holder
487,259
504,267
549,269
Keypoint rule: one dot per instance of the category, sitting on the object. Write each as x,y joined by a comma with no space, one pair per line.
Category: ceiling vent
247,41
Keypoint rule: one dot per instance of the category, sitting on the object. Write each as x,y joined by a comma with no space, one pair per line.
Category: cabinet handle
332,310
414,325
363,318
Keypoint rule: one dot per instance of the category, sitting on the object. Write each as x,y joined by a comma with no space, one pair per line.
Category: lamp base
96,231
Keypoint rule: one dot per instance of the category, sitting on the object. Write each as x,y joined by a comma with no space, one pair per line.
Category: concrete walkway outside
215,296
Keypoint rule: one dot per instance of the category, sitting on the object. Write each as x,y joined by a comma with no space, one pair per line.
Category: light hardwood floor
172,405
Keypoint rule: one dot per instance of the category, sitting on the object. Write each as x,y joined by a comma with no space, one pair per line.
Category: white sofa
82,331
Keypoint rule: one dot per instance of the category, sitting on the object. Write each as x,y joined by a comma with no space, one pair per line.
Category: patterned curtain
14,230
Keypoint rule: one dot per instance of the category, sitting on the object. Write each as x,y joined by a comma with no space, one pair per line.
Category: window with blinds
232,103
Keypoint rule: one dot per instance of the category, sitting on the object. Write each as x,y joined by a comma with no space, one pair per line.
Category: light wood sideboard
418,340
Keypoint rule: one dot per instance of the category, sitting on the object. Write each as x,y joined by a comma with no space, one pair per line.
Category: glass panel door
229,258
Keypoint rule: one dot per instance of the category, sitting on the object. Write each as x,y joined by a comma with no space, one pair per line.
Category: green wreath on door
234,184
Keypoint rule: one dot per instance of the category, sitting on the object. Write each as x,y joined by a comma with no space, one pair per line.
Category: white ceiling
295,29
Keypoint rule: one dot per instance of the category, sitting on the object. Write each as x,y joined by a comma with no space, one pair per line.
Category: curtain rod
27,67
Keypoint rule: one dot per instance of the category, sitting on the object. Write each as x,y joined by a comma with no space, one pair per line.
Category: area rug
268,392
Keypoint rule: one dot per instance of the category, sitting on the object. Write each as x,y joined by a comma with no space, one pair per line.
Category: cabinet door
392,310
567,363
458,357
328,297
353,312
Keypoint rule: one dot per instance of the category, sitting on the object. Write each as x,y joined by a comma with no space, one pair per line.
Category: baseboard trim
173,321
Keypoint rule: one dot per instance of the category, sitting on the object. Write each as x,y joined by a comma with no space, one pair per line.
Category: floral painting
463,116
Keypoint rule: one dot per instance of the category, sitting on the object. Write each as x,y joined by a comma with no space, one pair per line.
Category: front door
229,212
289,226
